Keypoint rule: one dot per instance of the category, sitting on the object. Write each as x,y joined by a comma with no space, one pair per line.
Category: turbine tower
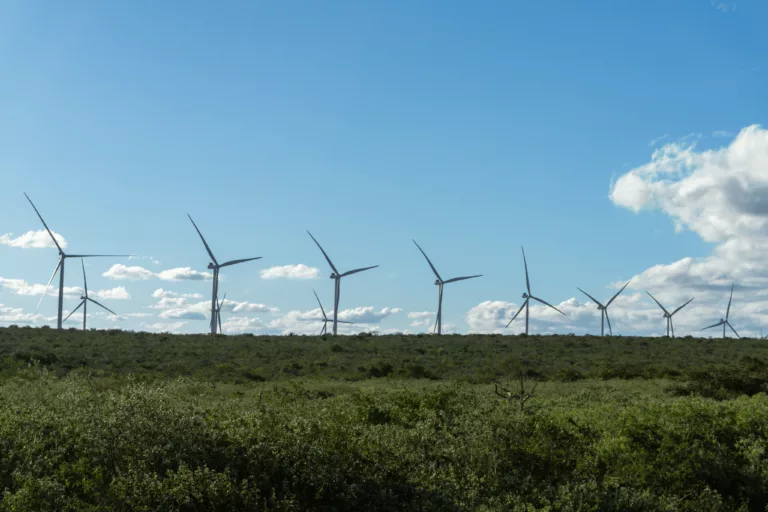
669,315
84,302
604,309
324,330
215,266
725,321
336,276
527,296
218,310
439,283
60,266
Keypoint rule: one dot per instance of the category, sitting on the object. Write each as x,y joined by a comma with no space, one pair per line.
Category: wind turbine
60,266
336,276
527,296
86,298
439,282
218,310
215,266
324,330
604,309
725,321
667,314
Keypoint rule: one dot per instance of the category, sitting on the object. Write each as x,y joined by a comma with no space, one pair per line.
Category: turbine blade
429,261
672,325
734,330
591,297
547,304
518,312
729,304
102,305
617,293
85,281
320,304
218,317
681,307
73,311
527,281
44,224
718,324
344,322
49,283
235,262
345,274
223,299
461,278
659,303
203,239
610,329
324,253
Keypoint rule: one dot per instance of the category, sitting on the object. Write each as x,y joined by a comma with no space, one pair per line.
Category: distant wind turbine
527,296
604,309
84,302
215,266
336,276
324,330
439,282
669,315
60,266
725,321
218,310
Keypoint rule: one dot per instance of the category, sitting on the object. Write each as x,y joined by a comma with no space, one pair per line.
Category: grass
130,421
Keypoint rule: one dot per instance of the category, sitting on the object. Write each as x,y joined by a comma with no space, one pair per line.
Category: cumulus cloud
182,314
721,195
367,314
118,292
21,287
183,274
13,315
202,310
421,318
240,324
33,240
161,293
299,271
119,271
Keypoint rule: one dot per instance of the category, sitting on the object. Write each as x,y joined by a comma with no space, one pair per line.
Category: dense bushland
472,358
130,421
83,443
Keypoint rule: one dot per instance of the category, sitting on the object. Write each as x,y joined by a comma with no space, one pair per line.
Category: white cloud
113,293
240,324
299,271
33,240
724,6
13,315
21,287
161,293
183,274
421,318
119,271
182,314
169,302
367,314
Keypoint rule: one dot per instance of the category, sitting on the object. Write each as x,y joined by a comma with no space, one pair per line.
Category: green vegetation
129,421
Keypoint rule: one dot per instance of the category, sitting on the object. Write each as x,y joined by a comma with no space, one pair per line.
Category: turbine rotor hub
437,282
525,295
333,276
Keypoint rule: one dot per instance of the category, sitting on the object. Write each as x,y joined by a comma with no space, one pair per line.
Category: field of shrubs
111,420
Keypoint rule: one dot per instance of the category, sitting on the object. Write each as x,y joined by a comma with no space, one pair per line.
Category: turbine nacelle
211,266
334,275
525,295
437,282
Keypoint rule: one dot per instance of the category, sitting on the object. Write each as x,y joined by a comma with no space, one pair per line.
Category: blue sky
472,127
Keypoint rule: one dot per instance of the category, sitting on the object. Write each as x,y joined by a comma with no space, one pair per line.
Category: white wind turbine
725,321
667,314
60,266
215,266
84,302
324,330
527,296
439,283
218,310
336,276
604,309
